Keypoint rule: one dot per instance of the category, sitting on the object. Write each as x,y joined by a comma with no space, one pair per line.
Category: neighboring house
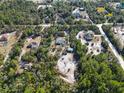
101,10
85,36
88,36
92,41
60,41
32,45
80,13
58,45
25,65
76,13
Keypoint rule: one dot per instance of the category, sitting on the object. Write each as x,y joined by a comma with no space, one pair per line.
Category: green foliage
18,12
94,74
113,39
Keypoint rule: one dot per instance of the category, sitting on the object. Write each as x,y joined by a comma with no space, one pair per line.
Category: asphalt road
117,55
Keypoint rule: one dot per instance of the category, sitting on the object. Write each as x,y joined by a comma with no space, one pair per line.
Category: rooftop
60,41
92,41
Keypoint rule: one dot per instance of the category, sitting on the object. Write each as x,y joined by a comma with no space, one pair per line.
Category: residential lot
29,44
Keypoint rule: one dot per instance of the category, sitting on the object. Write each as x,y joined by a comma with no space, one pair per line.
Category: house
104,11
80,13
25,65
32,45
85,36
92,41
76,13
58,45
60,41
88,36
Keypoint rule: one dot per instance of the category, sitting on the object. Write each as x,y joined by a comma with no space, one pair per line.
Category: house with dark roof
88,36
32,45
25,65
92,41
80,13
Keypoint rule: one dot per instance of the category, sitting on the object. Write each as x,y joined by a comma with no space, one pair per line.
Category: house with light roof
92,41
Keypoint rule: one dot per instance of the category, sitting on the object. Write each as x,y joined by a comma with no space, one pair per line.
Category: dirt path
10,47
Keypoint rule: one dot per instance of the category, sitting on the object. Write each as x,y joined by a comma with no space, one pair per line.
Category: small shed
70,50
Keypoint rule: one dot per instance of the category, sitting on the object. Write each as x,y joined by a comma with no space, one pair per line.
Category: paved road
119,57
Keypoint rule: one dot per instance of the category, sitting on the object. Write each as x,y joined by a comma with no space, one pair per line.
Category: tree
40,90
29,89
